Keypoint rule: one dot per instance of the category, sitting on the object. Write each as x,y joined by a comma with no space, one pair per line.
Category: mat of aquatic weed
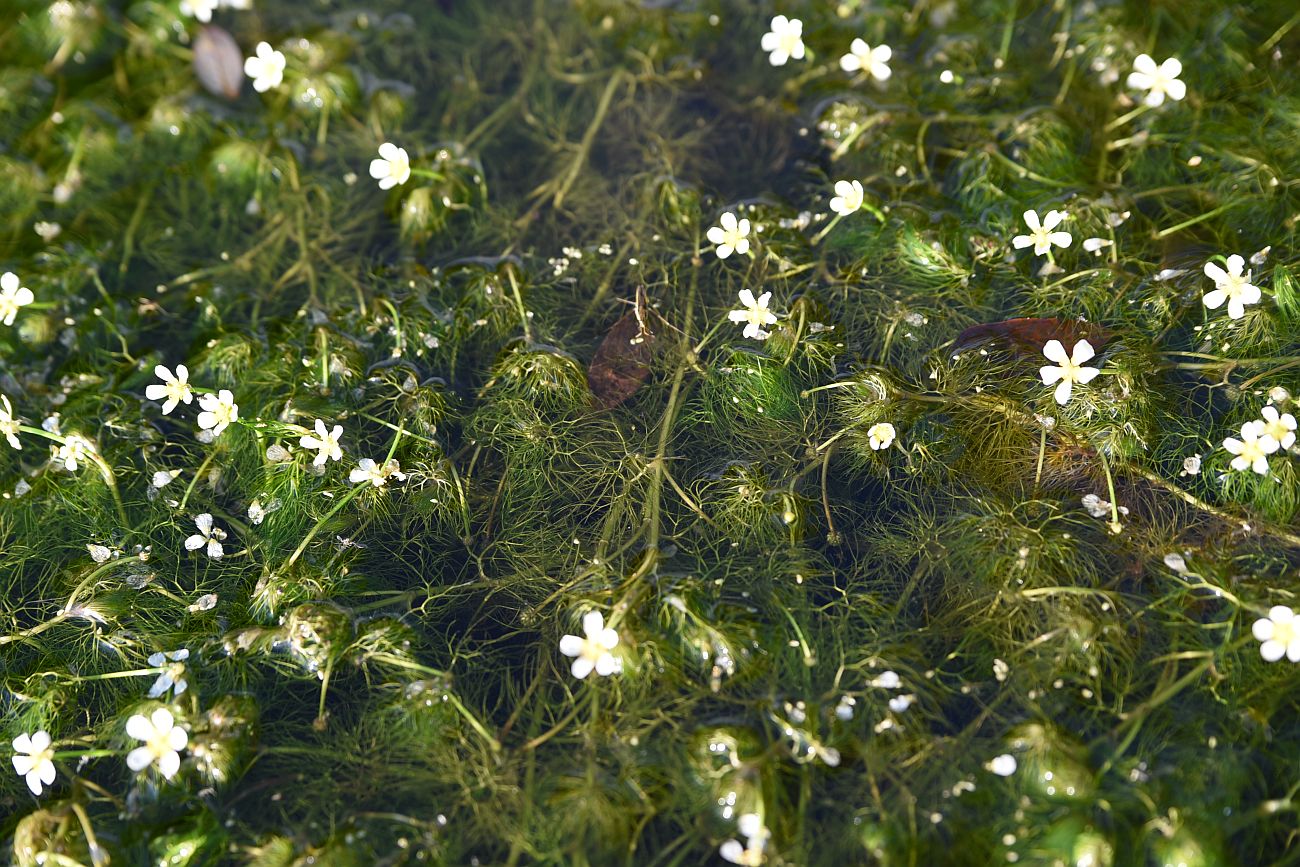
665,433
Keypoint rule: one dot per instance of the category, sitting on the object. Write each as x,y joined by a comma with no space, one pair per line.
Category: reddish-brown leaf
1028,336
622,361
218,62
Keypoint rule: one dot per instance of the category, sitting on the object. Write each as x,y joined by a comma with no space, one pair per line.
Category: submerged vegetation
666,433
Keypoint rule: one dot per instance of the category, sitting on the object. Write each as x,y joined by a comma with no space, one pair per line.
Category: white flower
593,652
1192,465
74,450
1041,236
12,296
163,741
887,680
325,442
172,674
199,10
1279,632
731,236
874,60
1070,370
1158,81
1280,426
848,197
34,759
207,535
1003,765
266,69
1096,245
900,703
48,231
9,424
754,314
235,4
392,168
881,436
176,389
1253,449
784,41
756,836
368,471
219,411
1232,286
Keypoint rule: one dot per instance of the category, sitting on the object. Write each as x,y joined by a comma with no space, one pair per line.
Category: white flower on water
219,411
730,236
392,168
163,742
1280,634
172,674
9,424
862,56
784,40
1253,449
34,760
1069,369
207,535
1041,237
1158,81
754,314
325,442
888,679
1003,765
848,197
175,389
199,10
266,68
73,452
751,853
12,296
367,470
1233,286
881,436
592,653
1280,426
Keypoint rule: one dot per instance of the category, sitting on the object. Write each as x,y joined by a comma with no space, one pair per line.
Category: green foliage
836,628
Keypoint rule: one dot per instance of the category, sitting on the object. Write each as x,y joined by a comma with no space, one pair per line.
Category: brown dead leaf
218,62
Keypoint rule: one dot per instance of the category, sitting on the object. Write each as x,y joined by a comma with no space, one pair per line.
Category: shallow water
572,466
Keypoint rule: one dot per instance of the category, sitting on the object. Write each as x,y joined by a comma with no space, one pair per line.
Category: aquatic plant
630,432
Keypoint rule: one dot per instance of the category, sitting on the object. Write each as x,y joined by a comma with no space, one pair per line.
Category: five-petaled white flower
392,168
848,197
73,451
163,742
1157,81
12,296
9,424
367,470
751,854
1280,634
325,442
219,411
266,68
755,314
1041,236
176,389
881,435
172,674
784,40
207,535
1280,426
1253,449
862,56
34,760
1233,286
1069,369
730,236
592,653
200,10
